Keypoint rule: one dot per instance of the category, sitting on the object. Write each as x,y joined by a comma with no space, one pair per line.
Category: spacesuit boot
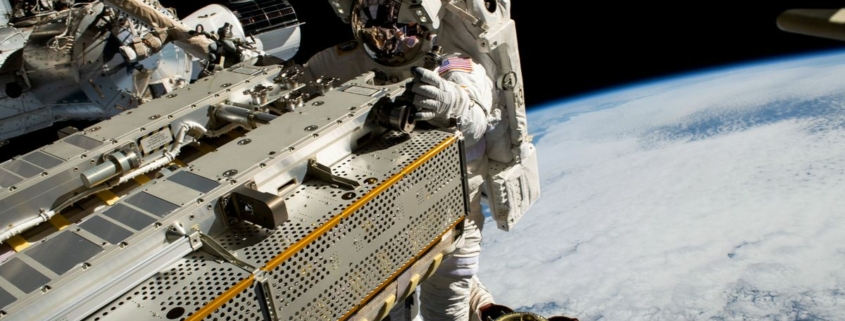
479,298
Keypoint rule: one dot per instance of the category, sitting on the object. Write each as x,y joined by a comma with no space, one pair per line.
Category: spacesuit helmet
386,38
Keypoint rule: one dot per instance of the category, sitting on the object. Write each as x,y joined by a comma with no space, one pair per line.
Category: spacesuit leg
446,295
478,298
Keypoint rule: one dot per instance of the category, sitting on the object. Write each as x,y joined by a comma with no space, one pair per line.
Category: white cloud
745,223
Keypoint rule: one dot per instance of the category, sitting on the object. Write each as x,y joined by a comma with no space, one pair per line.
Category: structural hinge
196,240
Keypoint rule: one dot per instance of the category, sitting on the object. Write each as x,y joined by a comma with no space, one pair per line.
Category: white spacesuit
459,91
165,29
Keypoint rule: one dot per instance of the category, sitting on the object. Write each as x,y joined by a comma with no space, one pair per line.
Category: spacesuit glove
438,100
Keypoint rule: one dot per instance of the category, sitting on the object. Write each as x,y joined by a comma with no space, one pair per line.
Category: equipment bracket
211,246
324,173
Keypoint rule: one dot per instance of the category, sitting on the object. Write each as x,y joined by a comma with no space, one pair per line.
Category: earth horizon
714,195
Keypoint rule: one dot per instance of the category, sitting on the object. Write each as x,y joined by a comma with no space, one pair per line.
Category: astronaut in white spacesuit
459,91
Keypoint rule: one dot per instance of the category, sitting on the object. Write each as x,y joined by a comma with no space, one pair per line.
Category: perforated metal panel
186,286
336,251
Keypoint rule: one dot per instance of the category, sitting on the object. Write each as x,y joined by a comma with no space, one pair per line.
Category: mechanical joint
114,164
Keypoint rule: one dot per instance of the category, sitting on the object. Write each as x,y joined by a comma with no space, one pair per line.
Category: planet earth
715,195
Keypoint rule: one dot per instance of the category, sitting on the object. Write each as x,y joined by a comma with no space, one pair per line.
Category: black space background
572,48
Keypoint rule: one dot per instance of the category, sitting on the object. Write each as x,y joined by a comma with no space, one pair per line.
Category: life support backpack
513,182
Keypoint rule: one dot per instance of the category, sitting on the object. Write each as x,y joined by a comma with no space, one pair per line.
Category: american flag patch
455,63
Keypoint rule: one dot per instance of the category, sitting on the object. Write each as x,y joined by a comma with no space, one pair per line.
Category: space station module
67,60
245,193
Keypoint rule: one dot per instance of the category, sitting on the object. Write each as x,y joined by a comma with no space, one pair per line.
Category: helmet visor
389,42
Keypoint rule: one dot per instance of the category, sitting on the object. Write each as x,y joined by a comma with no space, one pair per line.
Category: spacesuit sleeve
196,45
473,122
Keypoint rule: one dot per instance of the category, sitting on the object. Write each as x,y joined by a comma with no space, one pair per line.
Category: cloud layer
716,196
